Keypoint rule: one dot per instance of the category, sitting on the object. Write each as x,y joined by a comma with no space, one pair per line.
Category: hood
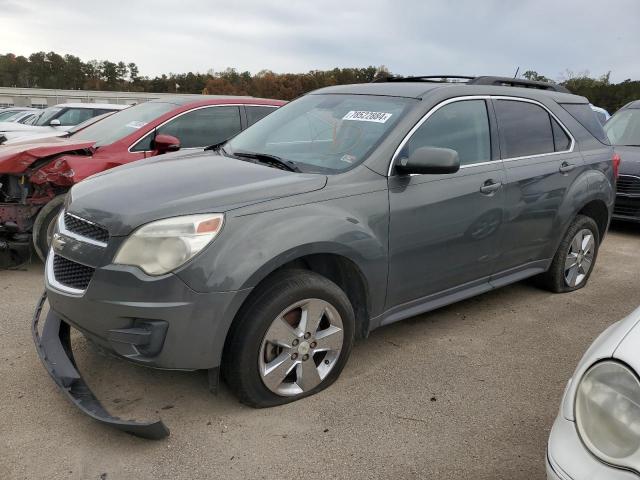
627,350
20,127
615,341
630,160
126,197
16,158
24,138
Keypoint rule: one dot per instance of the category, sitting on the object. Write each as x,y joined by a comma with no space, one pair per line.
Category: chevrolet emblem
58,242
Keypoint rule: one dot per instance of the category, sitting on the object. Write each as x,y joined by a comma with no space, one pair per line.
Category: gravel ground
467,391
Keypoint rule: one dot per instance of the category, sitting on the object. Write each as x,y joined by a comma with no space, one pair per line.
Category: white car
601,114
597,432
8,114
57,118
30,137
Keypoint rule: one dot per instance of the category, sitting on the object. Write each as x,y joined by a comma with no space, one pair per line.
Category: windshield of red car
122,123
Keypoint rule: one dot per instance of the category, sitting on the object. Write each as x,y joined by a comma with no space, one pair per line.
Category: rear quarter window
587,118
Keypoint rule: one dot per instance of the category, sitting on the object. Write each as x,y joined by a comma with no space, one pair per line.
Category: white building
43,97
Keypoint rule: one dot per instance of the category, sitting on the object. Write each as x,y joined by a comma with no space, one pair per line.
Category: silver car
597,432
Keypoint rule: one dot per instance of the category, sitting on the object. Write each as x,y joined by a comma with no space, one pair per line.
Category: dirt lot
468,391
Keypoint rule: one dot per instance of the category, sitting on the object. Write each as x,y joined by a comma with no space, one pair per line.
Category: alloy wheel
301,347
580,258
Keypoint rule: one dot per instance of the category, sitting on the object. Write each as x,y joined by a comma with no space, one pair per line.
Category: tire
44,225
249,354
558,278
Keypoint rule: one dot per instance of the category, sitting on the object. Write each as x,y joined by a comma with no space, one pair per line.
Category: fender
592,184
259,244
68,170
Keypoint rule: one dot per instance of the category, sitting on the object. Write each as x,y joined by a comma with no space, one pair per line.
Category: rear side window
587,118
257,113
199,128
525,129
462,126
561,140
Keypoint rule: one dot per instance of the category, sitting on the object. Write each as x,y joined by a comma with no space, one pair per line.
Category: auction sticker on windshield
360,116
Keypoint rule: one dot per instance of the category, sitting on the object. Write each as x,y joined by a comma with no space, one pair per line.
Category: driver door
445,230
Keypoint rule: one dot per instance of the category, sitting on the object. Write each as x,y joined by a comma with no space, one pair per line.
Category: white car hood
619,341
19,127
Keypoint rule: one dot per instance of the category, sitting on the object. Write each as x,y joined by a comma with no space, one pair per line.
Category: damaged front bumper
54,349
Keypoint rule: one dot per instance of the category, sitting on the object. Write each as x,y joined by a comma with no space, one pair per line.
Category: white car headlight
608,413
161,246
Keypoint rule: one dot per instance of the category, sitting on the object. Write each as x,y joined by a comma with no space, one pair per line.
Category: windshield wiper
268,159
216,146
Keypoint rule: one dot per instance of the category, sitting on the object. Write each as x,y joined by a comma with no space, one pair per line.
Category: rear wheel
576,256
291,340
44,226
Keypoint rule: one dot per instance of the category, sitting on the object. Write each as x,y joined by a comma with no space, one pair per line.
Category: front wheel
44,226
576,256
291,340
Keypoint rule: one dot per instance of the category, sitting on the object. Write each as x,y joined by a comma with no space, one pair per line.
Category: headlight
608,413
162,246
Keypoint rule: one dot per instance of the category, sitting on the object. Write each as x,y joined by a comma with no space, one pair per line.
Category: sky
409,37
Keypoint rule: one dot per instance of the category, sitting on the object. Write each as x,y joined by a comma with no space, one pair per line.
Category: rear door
541,164
444,229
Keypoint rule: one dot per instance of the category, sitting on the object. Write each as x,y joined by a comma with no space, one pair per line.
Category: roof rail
482,80
518,82
426,78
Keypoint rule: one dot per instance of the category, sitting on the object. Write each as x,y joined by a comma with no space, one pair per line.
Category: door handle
566,167
490,186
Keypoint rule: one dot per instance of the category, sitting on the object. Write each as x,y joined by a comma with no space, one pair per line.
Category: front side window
74,116
623,129
462,126
327,133
525,129
199,128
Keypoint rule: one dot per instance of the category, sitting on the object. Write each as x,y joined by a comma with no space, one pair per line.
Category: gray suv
351,208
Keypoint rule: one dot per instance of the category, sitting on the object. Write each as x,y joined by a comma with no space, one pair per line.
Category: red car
35,176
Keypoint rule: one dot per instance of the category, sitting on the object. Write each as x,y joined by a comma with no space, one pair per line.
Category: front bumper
568,459
54,350
155,321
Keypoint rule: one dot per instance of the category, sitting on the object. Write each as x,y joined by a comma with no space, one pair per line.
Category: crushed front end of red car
31,176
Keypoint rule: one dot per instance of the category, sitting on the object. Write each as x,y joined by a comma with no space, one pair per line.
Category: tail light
616,164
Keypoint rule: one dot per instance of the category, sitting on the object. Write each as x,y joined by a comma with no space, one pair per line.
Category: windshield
624,128
88,122
6,116
46,116
123,123
323,133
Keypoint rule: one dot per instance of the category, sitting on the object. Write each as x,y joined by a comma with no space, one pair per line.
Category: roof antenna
515,75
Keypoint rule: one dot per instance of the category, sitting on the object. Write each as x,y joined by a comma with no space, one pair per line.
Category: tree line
51,70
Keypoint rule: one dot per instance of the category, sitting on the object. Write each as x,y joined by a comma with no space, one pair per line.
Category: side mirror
165,143
54,123
429,160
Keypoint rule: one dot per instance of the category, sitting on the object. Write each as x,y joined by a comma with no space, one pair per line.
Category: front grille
628,185
627,209
71,274
85,229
